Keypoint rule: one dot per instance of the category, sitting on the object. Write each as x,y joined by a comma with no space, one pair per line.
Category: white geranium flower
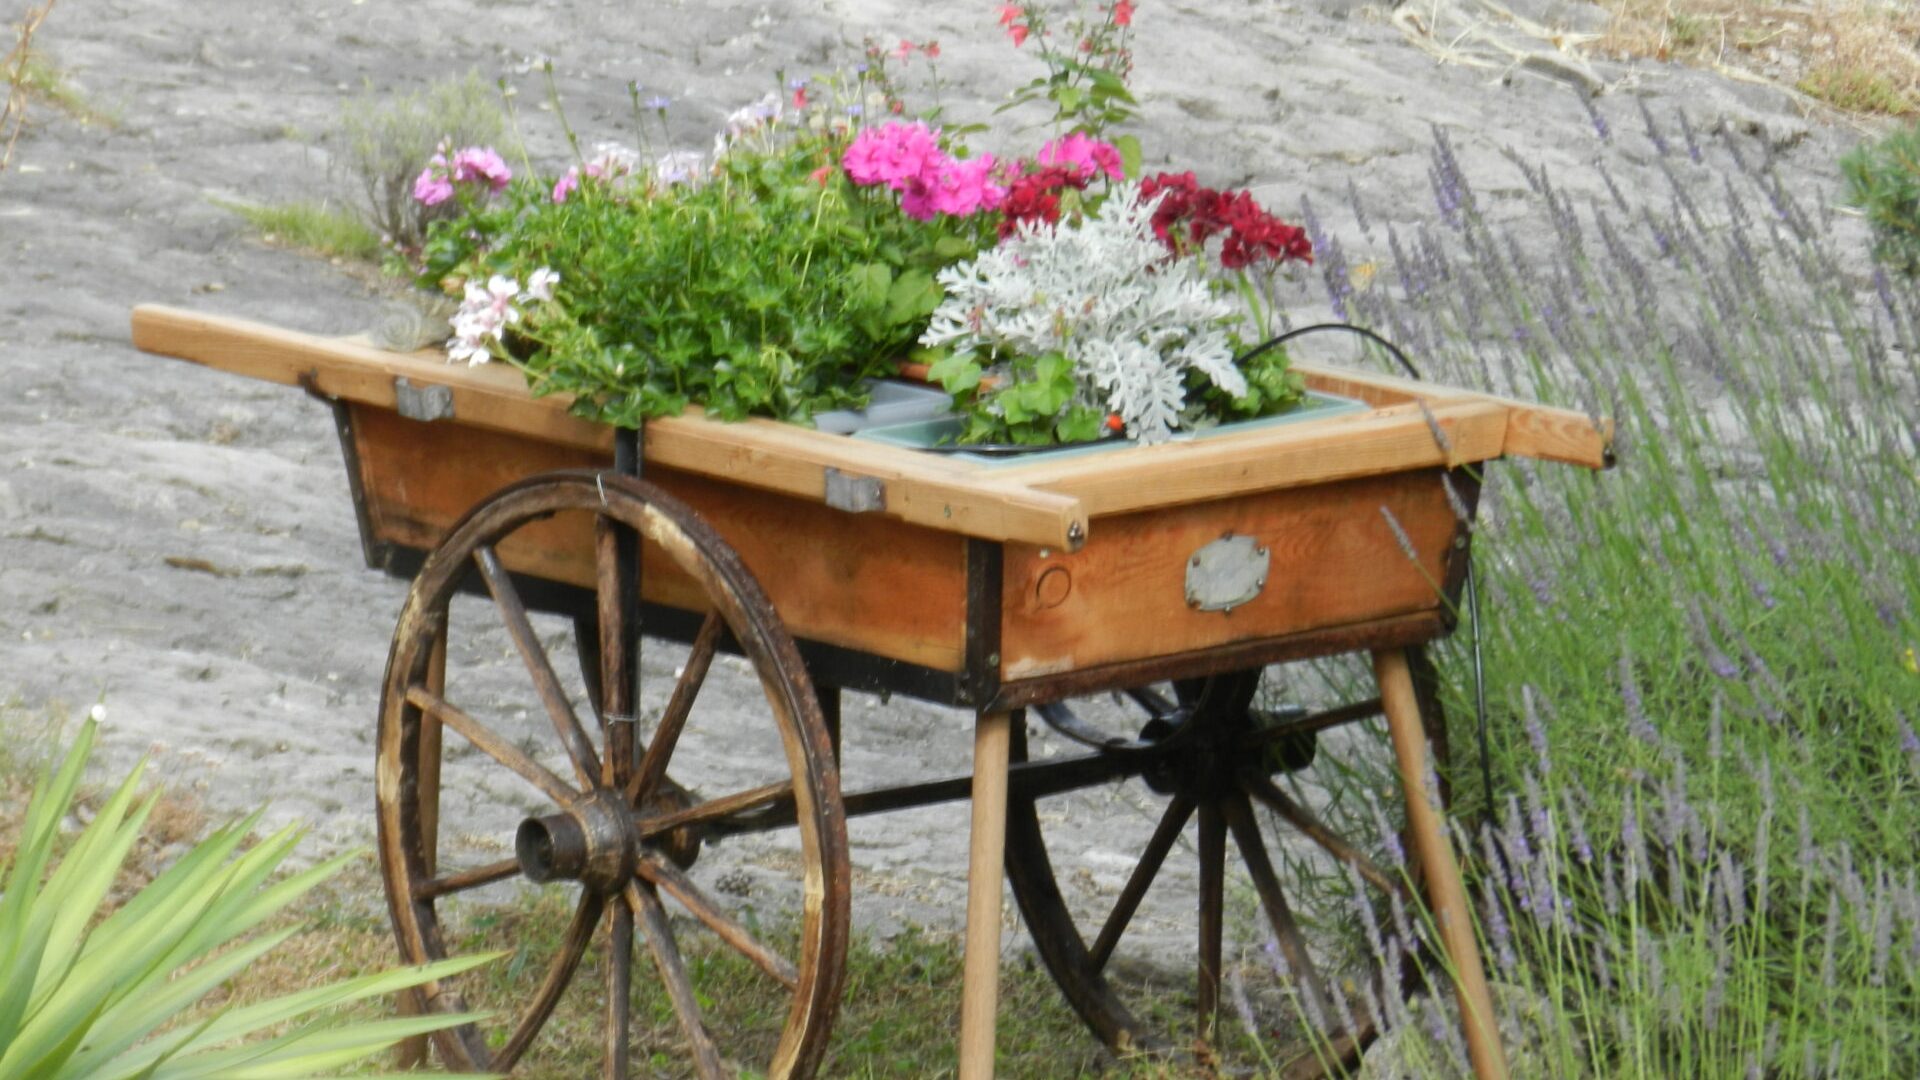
540,284
1104,294
485,312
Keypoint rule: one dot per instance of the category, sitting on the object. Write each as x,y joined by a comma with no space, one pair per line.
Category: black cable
1472,584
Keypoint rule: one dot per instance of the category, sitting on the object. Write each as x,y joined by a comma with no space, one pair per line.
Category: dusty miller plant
1083,321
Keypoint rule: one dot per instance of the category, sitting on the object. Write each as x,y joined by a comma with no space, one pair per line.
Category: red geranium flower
1249,233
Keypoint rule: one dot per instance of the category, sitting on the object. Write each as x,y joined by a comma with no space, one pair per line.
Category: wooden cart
864,567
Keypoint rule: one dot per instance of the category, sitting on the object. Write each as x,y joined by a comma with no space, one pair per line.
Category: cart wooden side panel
878,585
1122,597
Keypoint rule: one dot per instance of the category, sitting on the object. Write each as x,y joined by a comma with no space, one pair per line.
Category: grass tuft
320,228
1856,89
1856,55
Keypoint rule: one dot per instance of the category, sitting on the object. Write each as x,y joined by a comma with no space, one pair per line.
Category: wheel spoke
1148,868
586,919
666,875
673,973
586,764
492,745
616,611
1213,857
619,990
1301,818
1286,932
466,879
714,809
653,764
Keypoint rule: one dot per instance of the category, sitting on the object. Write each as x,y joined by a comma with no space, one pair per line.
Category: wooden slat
1388,440
1535,431
493,396
924,489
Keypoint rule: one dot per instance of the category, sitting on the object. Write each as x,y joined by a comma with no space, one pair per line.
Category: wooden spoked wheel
1211,792
615,811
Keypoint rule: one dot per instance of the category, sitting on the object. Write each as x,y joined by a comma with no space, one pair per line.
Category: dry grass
1859,56
21,75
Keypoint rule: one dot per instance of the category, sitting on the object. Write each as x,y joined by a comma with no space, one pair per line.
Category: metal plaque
1226,573
422,402
854,493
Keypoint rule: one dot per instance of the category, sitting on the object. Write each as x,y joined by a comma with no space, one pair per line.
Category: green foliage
1272,387
90,994
386,140
1028,405
771,290
316,227
1085,84
1883,179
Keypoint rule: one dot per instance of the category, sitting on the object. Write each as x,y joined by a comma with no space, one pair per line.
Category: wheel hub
592,842
1203,763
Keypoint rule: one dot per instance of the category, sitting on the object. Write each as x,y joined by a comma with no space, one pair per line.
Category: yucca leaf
240,1022
133,1019
312,1051
161,891
77,1004
215,921
242,908
49,1064
75,890
22,938
102,977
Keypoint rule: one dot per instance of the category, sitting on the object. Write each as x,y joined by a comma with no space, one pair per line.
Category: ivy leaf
913,296
1081,424
869,284
952,248
956,374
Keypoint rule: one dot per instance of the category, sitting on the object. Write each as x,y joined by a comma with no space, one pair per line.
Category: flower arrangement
830,232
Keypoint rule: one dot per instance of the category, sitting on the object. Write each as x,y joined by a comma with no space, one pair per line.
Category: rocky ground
177,544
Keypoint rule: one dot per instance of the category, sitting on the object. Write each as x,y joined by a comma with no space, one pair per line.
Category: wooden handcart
830,564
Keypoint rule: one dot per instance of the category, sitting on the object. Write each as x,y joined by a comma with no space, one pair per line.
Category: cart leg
980,988
412,1053
1437,865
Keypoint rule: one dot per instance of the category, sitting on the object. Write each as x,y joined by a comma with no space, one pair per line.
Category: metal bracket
854,493
1226,573
422,402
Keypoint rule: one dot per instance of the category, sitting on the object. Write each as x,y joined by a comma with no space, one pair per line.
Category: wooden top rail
1414,425
1535,431
920,488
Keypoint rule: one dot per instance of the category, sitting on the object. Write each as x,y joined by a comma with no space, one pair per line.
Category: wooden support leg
1447,895
980,988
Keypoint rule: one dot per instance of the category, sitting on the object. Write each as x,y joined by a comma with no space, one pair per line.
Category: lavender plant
1699,855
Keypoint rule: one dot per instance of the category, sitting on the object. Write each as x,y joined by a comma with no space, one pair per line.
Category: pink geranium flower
966,187
432,187
1086,156
481,163
435,184
893,154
